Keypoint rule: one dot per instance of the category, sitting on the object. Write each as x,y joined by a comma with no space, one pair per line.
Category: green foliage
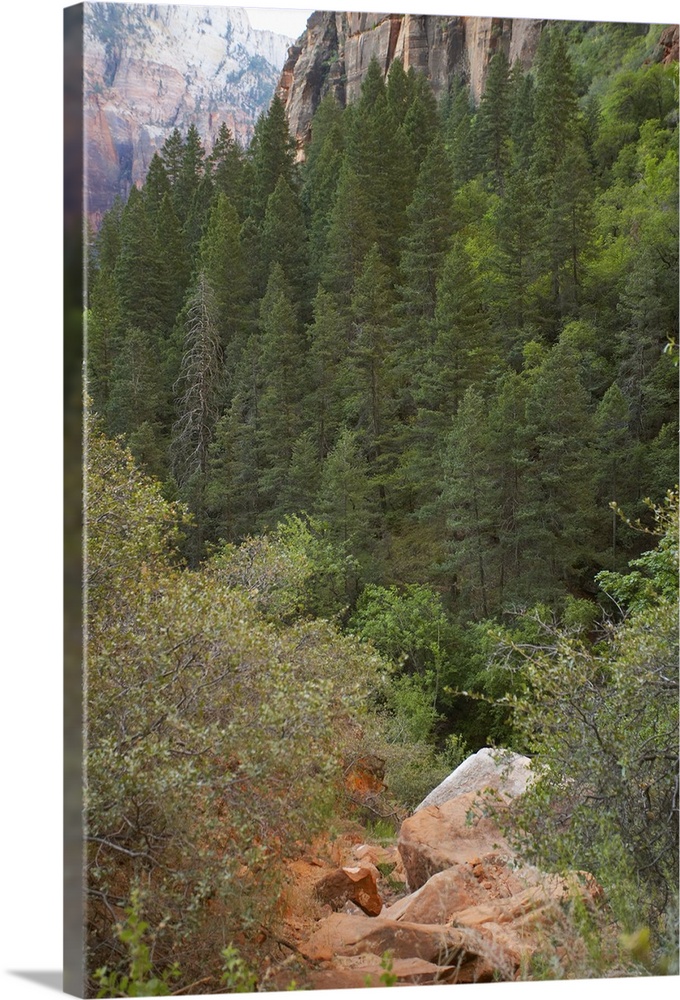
271,153
141,979
292,572
405,624
429,449
602,722
236,976
387,977
218,736
654,577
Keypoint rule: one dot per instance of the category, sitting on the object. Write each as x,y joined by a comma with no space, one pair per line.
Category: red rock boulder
357,885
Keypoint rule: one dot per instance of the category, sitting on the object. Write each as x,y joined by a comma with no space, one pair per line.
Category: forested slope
446,338
408,378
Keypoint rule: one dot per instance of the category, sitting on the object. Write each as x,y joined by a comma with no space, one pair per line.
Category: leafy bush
602,722
215,737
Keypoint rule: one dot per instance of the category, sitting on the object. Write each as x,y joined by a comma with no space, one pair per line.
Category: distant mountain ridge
150,68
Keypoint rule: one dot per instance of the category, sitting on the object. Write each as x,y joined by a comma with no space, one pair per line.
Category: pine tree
191,172
521,116
400,91
197,215
647,307
172,157
372,362
380,157
175,261
569,225
220,258
463,352
156,185
272,153
327,121
352,232
454,355
253,261
284,242
345,503
561,491
303,476
140,275
614,446
458,132
199,387
555,105
430,218
232,493
468,497
104,332
421,122
518,262
509,461
226,167
329,338
284,384
321,177
492,124
136,395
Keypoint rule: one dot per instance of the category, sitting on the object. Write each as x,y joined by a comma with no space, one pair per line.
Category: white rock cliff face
149,68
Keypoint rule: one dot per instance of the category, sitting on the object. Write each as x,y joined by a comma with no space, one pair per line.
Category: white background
30,459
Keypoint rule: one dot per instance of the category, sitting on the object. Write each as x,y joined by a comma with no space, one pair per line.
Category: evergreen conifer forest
382,460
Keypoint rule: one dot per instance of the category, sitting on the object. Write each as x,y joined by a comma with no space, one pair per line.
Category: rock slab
501,770
457,832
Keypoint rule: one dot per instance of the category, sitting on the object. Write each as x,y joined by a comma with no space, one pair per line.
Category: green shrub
602,723
216,738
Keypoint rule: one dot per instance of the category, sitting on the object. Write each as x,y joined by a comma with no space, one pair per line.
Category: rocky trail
449,902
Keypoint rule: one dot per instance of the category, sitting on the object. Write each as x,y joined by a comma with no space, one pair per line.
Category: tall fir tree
372,366
137,389
232,494
320,179
141,278
352,231
226,168
172,157
521,116
329,341
199,387
492,124
555,105
458,132
614,448
220,258
517,258
346,504
284,383
430,218
272,153
421,123
380,156
468,498
560,485
284,242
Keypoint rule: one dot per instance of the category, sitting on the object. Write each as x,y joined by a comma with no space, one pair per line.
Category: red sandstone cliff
336,48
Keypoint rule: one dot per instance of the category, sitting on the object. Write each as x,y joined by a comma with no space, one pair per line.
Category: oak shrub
599,714
216,733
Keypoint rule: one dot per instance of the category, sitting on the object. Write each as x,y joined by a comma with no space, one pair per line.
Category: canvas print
380,673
